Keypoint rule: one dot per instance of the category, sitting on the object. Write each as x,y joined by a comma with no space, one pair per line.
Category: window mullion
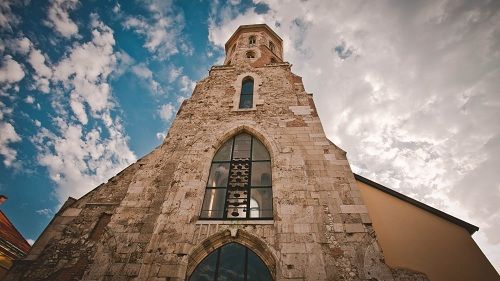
249,191
246,264
217,265
225,211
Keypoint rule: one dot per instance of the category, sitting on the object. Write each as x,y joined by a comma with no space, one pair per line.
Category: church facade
245,186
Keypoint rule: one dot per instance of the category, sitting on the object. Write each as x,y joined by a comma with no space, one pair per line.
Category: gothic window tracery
231,262
239,184
246,96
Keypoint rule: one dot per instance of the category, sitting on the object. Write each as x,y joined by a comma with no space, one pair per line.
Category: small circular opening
251,54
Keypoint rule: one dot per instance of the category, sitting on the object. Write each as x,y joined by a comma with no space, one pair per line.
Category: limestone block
354,227
171,270
71,212
301,110
293,248
354,209
338,227
301,228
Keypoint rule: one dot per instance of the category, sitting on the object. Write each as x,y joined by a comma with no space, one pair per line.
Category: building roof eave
469,227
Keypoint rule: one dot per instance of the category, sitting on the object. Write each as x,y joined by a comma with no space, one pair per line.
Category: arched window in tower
252,40
246,96
239,183
271,46
233,262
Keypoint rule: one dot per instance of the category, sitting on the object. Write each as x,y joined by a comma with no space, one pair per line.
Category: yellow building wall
415,239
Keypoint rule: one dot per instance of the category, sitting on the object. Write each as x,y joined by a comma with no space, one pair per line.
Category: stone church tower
245,186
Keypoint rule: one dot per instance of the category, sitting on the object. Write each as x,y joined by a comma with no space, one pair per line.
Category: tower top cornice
251,28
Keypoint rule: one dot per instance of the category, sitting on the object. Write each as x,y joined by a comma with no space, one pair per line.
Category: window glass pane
257,270
232,263
224,153
261,174
259,151
247,87
242,146
246,101
218,175
205,271
213,204
261,203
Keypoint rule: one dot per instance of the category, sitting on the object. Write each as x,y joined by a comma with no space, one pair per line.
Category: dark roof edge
469,227
15,229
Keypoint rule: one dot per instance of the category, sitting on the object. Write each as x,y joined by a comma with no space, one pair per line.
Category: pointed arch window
246,96
233,262
239,184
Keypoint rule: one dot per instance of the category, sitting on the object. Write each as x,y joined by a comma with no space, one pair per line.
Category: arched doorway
231,262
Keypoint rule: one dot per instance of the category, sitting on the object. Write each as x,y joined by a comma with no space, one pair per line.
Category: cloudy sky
410,89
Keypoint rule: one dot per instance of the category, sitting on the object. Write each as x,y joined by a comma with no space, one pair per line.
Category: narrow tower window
271,46
252,40
239,184
246,97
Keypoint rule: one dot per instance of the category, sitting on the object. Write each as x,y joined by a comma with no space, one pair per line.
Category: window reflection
263,206
261,174
231,262
213,205
218,175
246,96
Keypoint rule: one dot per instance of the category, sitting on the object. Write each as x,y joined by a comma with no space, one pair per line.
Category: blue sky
147,76
408,88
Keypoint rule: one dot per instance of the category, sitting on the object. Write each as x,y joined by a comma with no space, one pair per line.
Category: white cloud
42,72
186,87
36,59
166,111
58,17
143,72
19,45
79,154
160,135
10,70
30,241
174,73
409,91
7,19
29,100
45,212
162,30
85,69
7,137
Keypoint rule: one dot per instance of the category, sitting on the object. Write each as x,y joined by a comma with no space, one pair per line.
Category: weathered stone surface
143,223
